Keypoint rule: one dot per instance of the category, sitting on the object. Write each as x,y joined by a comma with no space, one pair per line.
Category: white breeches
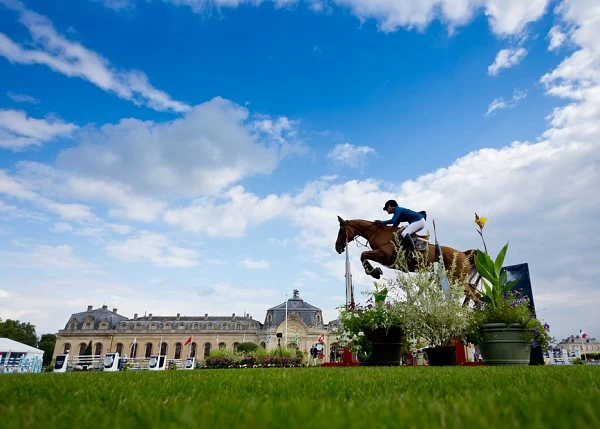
414,227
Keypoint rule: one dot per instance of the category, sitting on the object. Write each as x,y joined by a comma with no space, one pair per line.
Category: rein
358,243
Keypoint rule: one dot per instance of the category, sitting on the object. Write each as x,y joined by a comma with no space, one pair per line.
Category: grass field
405,397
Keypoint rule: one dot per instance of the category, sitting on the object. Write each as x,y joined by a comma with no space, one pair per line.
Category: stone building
141,337
575,342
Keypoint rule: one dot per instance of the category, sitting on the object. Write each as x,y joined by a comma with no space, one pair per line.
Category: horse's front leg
376,256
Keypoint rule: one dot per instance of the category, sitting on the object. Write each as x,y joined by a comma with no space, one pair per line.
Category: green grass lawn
405,397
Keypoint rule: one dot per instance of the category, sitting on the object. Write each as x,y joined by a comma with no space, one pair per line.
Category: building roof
311,315
8,345
97,316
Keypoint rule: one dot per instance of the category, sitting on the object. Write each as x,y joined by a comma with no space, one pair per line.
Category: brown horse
380,238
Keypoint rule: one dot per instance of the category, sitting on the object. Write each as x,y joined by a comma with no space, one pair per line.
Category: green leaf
485,266
500,259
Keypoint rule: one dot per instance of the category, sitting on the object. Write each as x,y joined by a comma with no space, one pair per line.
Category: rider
416,222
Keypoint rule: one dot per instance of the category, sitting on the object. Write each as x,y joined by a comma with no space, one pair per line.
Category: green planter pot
386,346
504,344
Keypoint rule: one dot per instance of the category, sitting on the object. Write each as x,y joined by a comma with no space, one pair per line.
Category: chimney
135,316
114,310
90,307
150,316
205,316
233,316
178,316
104,307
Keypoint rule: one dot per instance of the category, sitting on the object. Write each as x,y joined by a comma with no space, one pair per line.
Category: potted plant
502,323
431,313
373,331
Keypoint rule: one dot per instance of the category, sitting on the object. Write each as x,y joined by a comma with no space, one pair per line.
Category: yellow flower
480,221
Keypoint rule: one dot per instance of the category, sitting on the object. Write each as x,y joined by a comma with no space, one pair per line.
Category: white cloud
22,98
42,256
254,263
229,218
62,227
210,148
74,60
4,294
505,59
155,248
349,154
557,38
500,103
18,131
507,17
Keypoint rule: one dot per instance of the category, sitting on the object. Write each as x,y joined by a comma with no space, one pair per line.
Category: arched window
224,325
238,326
193,350
222,345
269,317
134,350
148,350
82,347
263,345
235,345
210,326
177,350
163,349
98,349
206,349
66,348
119,349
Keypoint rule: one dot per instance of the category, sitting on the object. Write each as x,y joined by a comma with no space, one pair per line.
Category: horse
381,238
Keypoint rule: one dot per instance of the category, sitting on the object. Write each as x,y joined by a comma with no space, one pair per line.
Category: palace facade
575,342
141,337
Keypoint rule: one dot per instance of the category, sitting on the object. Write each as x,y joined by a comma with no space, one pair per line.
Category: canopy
8,345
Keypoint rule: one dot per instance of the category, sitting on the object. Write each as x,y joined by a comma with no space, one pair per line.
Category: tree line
25,333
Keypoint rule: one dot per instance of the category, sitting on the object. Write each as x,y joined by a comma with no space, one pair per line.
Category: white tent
19,357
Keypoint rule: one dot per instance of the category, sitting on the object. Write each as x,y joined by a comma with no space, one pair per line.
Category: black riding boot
408,245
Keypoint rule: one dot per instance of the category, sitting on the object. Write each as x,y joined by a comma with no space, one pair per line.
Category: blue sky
191,156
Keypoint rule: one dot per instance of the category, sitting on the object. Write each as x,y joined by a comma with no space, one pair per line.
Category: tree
88,349
18,331
47,343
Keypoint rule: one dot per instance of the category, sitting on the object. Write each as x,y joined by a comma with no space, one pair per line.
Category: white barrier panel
188,363
60,365
111,362
157,363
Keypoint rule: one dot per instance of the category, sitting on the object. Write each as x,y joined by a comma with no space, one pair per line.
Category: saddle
421,241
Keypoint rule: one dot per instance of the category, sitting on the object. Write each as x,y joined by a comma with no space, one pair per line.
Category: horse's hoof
377,273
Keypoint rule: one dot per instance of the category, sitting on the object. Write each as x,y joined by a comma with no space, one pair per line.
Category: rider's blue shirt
403,215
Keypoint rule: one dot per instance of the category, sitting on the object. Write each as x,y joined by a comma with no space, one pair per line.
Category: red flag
189,340
321,338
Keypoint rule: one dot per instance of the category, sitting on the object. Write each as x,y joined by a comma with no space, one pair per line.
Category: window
222,345
235,345
119,349
163,349
153,326
223,325
66,348
263,345
206,349
210,326
98,349
193,350
269,318
182,325
177,350
148,352
88,325
238,326
82,348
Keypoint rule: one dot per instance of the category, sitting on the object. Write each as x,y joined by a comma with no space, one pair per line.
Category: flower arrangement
499,303
430,312
258,358
356,319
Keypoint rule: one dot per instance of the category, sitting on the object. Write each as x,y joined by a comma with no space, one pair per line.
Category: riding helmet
392,203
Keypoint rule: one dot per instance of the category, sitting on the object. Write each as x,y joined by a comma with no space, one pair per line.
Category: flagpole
286,305
349,288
